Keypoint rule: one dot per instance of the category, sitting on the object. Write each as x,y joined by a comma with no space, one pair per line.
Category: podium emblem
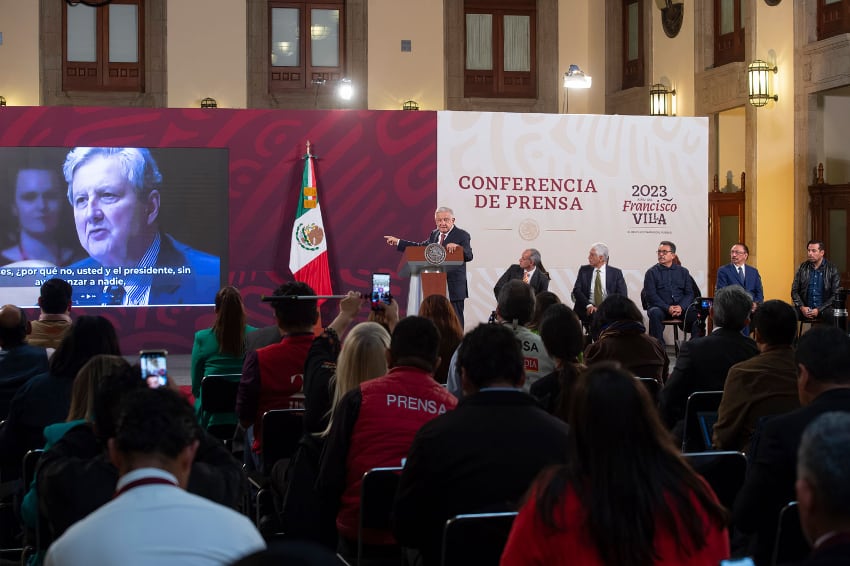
435,254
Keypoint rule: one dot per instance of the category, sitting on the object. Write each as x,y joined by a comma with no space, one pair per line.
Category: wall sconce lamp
576,78
2,101
410,105
345,90
209,103
661,100
758,80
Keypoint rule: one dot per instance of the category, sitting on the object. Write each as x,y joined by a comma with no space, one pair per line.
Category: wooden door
726,223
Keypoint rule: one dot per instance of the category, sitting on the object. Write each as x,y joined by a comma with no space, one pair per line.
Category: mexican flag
308,256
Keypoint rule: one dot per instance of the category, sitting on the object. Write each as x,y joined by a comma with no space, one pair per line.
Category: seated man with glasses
667,292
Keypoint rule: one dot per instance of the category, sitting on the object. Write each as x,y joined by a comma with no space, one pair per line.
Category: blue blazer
728,275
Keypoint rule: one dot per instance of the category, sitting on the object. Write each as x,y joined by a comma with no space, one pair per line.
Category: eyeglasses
664,252
736,252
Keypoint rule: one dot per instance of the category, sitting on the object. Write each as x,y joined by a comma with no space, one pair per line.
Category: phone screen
380,289
153,367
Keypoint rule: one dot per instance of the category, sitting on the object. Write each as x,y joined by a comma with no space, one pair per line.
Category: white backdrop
559,183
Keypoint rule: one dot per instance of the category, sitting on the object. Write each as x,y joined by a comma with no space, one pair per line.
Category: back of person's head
823,466
439,310
542,301
627,473
825,353
732,306
516,302
294,314
55,296
13,326
108,388
155,422
415,342
379,316
491,354
776,323
87,337
93,372
229,326
617,308
561,333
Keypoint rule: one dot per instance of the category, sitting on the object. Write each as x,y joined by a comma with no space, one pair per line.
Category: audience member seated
667,292
823,383
763,385
542,301
823,489
151,519
220,350
622,337
19,361
439,310
374,425
703,363
75,476
55,318
363,356
626,496
46,398
562,335
514,309
271,375
482,456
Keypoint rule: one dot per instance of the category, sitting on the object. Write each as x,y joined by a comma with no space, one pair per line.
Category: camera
702,305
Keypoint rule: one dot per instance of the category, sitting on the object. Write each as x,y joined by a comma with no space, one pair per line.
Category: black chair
700,416
724,471
676,323
377,496
653,386
791,544
218,397
476,538
33,542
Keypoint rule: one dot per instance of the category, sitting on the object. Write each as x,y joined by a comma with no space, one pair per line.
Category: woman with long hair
563,339
542,301
626,496
220,350
623,338
439,310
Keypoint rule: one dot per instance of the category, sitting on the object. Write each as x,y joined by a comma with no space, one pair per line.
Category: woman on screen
36,205
626,495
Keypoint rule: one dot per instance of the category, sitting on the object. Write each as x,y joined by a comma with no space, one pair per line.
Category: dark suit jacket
728,275
702,365
198,288
615,284
773,467
539,281
17,366
834,551
456,275
480,457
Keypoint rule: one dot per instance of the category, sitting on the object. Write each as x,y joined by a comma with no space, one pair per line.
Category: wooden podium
426,279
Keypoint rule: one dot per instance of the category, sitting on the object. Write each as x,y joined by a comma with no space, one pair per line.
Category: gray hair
136,163
601,250
732,306
444,209
534,256
823,460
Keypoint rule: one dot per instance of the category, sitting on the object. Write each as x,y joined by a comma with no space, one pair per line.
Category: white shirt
156,524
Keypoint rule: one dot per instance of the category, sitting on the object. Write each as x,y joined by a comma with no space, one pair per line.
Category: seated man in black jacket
75,476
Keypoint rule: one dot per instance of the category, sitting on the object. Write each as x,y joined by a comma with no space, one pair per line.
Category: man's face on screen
114,223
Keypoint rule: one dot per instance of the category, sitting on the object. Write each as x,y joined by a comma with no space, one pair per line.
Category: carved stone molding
629,102
721,88
826,64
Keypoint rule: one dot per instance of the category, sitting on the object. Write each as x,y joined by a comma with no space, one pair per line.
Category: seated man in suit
823,488
823,382
703,363
529,269
737,272
482,456
115,194
667,291
594,282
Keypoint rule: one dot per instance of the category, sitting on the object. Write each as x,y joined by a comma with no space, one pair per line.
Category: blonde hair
92,373
363,357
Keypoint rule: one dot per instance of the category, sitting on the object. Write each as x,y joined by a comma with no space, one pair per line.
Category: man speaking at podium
450,237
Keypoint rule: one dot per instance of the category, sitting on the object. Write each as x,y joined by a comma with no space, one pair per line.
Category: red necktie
442,238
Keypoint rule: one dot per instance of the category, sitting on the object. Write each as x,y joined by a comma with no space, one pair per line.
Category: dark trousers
458,306
657,316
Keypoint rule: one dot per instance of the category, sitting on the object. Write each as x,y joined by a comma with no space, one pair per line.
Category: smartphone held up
153,366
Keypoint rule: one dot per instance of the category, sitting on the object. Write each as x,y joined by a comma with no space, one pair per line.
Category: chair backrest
282,429
724,471
476,538
377,495
653,386
700,416
218,393
791,544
